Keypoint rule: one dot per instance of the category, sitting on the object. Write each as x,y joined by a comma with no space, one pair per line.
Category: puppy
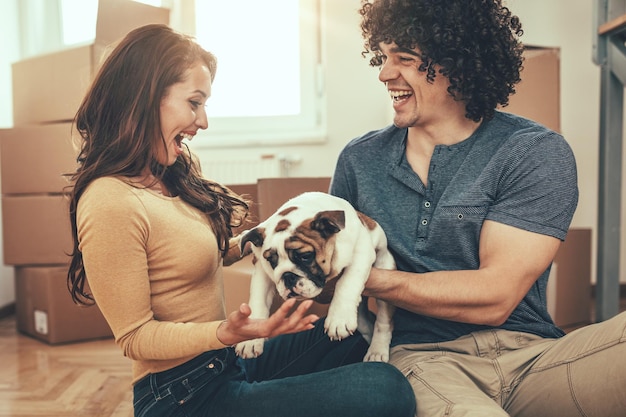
313,242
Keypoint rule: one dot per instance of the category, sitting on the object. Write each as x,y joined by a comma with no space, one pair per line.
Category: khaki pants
504,373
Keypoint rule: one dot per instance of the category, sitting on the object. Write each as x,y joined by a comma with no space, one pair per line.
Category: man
475,204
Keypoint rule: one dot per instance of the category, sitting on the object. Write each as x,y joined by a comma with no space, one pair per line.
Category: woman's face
183,111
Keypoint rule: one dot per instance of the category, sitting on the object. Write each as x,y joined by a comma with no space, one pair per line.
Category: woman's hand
239,326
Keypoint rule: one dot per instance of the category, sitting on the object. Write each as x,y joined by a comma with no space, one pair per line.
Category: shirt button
427,204
424,222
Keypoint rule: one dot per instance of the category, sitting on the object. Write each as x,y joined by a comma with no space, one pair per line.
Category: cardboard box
33,159
36,230
537,96
569,286
273,192
50,88
45,309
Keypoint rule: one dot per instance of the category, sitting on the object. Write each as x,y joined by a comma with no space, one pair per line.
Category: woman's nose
201,119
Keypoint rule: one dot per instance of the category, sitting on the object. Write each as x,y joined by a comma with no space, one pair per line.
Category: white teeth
184,135
397,94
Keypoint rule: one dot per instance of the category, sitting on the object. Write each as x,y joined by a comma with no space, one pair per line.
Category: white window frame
305,128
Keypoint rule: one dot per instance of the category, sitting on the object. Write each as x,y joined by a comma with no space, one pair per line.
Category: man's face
416,102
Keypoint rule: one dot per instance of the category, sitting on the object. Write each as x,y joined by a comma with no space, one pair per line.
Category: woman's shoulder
111,201
109,191
108,185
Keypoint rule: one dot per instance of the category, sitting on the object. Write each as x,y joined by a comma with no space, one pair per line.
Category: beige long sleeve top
153,267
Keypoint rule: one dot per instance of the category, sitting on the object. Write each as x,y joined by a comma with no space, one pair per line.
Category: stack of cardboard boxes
34,156
537,96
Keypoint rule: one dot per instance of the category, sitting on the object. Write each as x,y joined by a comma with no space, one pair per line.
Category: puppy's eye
272,257
305,257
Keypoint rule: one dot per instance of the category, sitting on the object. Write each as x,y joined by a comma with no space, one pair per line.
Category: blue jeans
299,375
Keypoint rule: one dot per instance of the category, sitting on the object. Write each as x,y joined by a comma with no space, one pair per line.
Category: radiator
243,171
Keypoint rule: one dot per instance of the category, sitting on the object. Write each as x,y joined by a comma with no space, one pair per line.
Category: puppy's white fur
346,248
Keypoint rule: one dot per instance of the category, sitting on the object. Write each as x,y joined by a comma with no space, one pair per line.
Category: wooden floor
88,379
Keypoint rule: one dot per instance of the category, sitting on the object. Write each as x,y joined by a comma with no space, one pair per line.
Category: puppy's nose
290,279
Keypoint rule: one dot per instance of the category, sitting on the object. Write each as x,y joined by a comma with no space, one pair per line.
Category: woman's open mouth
179,140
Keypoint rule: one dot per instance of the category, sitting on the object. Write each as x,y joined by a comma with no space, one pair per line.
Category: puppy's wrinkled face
297,257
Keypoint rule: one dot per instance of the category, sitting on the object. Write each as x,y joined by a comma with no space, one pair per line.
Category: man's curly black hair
475,44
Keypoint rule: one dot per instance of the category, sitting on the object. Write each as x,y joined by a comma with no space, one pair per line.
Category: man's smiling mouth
399,95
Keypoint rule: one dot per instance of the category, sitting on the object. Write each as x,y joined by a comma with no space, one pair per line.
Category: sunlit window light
79,21
257,44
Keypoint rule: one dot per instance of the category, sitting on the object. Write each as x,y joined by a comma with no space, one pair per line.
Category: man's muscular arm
511,260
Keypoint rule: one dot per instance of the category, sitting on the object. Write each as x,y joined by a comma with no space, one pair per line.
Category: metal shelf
609,53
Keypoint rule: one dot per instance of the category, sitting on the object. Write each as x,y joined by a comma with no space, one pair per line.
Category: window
269,85
78,30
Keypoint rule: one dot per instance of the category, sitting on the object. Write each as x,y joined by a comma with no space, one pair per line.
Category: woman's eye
195,104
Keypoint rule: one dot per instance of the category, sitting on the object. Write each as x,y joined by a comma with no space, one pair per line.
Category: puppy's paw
339,328
250,348
375,354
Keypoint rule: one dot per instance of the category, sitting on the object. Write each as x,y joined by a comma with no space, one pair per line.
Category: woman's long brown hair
119,125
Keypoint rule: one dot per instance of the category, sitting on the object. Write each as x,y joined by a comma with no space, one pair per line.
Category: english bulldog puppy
315,242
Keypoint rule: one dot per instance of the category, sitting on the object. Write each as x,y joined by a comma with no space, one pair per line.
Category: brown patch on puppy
366,220
303,243
282,225
287,210
307,239
329,222
271,255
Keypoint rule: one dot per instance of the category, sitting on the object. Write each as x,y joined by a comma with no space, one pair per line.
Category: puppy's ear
235,251
255,236
327,223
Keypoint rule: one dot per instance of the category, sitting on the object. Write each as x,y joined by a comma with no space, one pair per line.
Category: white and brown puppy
312,242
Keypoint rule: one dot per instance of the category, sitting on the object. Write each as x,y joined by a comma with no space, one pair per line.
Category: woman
150,236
